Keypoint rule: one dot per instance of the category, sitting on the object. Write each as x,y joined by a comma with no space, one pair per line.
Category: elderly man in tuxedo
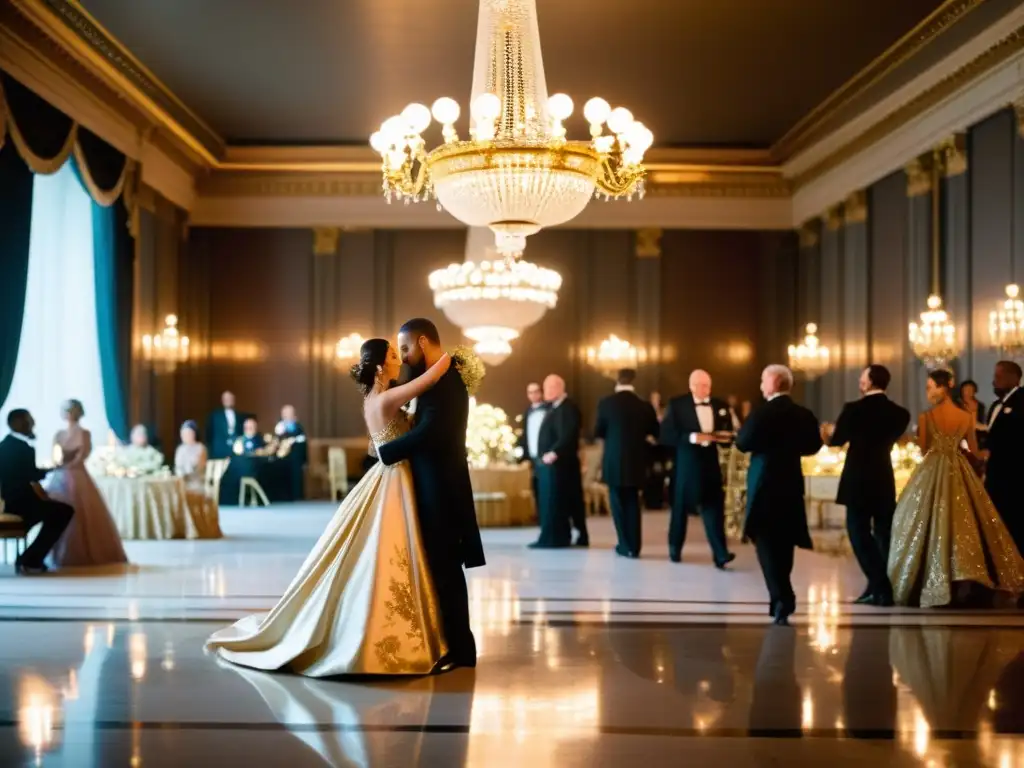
694,424
776,435
628,426
1005,445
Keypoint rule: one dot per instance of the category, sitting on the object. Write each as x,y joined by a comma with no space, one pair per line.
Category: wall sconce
167,348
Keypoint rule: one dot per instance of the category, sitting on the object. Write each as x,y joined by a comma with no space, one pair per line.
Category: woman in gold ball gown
363,602
946,533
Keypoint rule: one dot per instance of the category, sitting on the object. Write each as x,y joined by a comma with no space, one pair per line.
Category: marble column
830,326
326,294
645,330
920,280
855,306
808,304
955,210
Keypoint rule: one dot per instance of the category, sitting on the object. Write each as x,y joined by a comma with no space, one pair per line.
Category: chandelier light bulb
379,142
487,106
809,357
639,137
560,106
596,111
394,129
417,117
446,110
619,120
1006,324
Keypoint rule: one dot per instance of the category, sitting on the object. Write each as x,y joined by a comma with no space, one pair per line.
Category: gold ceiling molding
325,240
833,218
1018,109
855,209
648,243
814,126
809,237
919,176
951,154
915,107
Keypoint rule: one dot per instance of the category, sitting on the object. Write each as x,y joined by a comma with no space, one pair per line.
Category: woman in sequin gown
946,533
363,603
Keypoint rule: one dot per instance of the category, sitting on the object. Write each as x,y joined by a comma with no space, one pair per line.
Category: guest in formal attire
139,436
734,412
777,435
659,457
1005,445
628,427
968,399
530,436
559,478
190,459
24,496
657,404
251,442
222,428
694,425
867,488
292,438
746,408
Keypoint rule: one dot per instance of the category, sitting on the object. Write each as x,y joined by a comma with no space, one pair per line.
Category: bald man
694,425
559,479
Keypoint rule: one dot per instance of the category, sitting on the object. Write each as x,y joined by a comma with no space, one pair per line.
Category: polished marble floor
586,660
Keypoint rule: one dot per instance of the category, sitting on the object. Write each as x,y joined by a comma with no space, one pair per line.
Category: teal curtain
113,252
15,228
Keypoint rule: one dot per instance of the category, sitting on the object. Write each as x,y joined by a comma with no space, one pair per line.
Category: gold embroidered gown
946,531
363,603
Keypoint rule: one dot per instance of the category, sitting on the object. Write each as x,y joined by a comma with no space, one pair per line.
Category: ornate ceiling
698,72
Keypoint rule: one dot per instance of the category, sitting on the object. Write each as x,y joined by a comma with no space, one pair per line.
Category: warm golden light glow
934,339
167,348
612,355
809,357
346,350
1006,324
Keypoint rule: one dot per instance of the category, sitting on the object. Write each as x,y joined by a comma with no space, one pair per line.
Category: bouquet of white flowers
127,461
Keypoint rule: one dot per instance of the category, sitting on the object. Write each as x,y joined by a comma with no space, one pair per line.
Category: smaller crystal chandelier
934,339
346,350
1006,324
611,356
167,348
809,357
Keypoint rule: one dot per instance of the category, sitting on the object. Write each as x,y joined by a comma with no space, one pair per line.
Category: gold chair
337,472
595,493
251,490
12,528
215,469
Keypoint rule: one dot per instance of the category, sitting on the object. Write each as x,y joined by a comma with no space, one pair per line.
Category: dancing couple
383,591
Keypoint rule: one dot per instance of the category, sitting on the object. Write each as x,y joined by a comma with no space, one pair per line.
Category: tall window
59,357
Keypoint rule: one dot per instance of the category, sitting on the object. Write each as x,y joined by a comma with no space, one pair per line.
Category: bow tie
702,402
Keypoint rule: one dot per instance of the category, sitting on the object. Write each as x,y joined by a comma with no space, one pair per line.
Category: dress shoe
720,564
622,551
541,545
781,616
29,569
448,663
882,601
675,556
582,541
868,598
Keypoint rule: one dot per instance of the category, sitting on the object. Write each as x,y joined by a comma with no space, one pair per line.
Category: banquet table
155,507
502,495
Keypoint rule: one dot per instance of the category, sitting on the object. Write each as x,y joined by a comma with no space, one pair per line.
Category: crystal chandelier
517,172
809,357
491,300
1006,324
611,356
346,350
167,348
934,339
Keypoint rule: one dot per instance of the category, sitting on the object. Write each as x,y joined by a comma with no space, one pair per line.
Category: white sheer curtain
59,355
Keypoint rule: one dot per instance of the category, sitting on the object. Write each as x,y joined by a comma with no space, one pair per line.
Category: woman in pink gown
92,537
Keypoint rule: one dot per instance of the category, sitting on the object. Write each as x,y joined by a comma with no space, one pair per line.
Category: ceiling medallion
517,173
493,301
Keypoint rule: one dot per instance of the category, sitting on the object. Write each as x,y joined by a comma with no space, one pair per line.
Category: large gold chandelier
934,339
491,300
810,357
517,172
1006,324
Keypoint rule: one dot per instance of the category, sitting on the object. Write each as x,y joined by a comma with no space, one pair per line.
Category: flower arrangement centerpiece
490,439
470,367
127,461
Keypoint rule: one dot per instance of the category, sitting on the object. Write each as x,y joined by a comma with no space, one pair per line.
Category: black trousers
453,599
870,528
625,503
713,516
54,516
775,556
552,511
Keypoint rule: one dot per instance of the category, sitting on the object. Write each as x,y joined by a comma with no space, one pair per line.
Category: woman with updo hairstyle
338,615
91,538
949,546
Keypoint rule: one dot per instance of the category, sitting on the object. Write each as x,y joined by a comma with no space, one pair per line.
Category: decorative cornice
1018,110
648,243
919,176
809,237
951,155
855,209
833,218
325,240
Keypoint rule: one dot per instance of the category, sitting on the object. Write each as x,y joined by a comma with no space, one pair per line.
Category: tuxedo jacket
220,442
524,439
18,471
871,426
560,433
624,422
1005,444
776,435
698,473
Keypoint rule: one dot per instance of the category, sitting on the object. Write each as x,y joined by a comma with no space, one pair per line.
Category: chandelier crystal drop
1006,324
493,301
517,172
167,348
809,357
934,339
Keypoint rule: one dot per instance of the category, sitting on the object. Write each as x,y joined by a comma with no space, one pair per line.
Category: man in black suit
290,433
24,497
436,450
223,427
529,438
628,426
1005,446
559,476
777,434
867,488
694,424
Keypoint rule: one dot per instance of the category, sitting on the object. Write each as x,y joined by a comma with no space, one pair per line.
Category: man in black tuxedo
777,434
628,426
530,436
867,488
290,432
223,427
559,476
436,450
1005,447
24,497
694,424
